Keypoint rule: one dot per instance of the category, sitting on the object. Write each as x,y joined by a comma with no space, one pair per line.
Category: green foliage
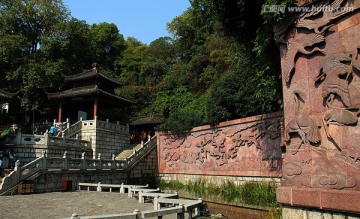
71,42
221,62
4,133
234,95
23,27
107,45
250,193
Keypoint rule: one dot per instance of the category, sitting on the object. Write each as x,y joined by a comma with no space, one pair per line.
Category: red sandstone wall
244,147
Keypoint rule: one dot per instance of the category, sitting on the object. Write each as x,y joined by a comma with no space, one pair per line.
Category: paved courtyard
64,204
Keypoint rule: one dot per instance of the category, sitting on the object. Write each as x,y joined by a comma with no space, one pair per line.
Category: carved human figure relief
302,124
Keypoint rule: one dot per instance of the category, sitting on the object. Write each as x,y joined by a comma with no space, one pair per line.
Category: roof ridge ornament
95,66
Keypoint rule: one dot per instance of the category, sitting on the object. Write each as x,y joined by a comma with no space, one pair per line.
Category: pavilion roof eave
147,120
92,73
7,95
86,91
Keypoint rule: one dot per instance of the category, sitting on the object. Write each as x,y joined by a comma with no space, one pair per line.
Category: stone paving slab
63,204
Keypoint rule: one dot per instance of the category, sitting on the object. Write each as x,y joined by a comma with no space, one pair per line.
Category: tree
24,24
71,42
132,62
32,19
107,44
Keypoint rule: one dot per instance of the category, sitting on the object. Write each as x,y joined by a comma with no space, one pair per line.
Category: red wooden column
59,112
95,106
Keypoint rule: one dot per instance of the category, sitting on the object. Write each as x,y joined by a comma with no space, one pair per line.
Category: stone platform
64,204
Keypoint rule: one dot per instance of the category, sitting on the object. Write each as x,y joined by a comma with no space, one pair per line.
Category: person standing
52,130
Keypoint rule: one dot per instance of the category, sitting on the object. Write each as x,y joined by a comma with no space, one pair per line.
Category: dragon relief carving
320,24
219,146
295,46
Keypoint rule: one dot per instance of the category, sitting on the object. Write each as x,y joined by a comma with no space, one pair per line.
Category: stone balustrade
143,195
71,130
178,206
99,124
141,152
57,163
99,186
46,140
133,191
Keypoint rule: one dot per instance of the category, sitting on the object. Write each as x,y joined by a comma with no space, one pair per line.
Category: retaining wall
106,138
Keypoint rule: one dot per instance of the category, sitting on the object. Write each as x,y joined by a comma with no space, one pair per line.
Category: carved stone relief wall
245,147
321,84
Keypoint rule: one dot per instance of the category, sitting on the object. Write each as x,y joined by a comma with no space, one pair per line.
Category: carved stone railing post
17,172
44,155
130,192
75,216
84,165
122,189
138,213
140,193
98,188
181,215
156,203
100,162
198,209
68,125
66,162
113,166
126,163
46,138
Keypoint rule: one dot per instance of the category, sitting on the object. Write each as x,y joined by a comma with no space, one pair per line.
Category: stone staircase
126,160
128,151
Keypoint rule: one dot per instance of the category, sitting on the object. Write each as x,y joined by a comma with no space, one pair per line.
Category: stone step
128,151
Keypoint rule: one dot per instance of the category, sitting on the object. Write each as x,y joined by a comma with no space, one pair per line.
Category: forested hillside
221,62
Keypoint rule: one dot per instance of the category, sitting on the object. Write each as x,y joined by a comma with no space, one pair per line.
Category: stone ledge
338,200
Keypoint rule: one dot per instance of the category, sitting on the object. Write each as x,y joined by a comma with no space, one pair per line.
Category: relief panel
322,131
248,148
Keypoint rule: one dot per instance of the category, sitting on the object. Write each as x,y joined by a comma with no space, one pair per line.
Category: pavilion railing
71,130
47,140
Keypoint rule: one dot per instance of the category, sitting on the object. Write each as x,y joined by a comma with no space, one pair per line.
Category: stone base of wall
308,213
53,181
218,180
332,199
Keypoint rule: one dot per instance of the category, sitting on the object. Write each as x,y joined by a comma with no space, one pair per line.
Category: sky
143,19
